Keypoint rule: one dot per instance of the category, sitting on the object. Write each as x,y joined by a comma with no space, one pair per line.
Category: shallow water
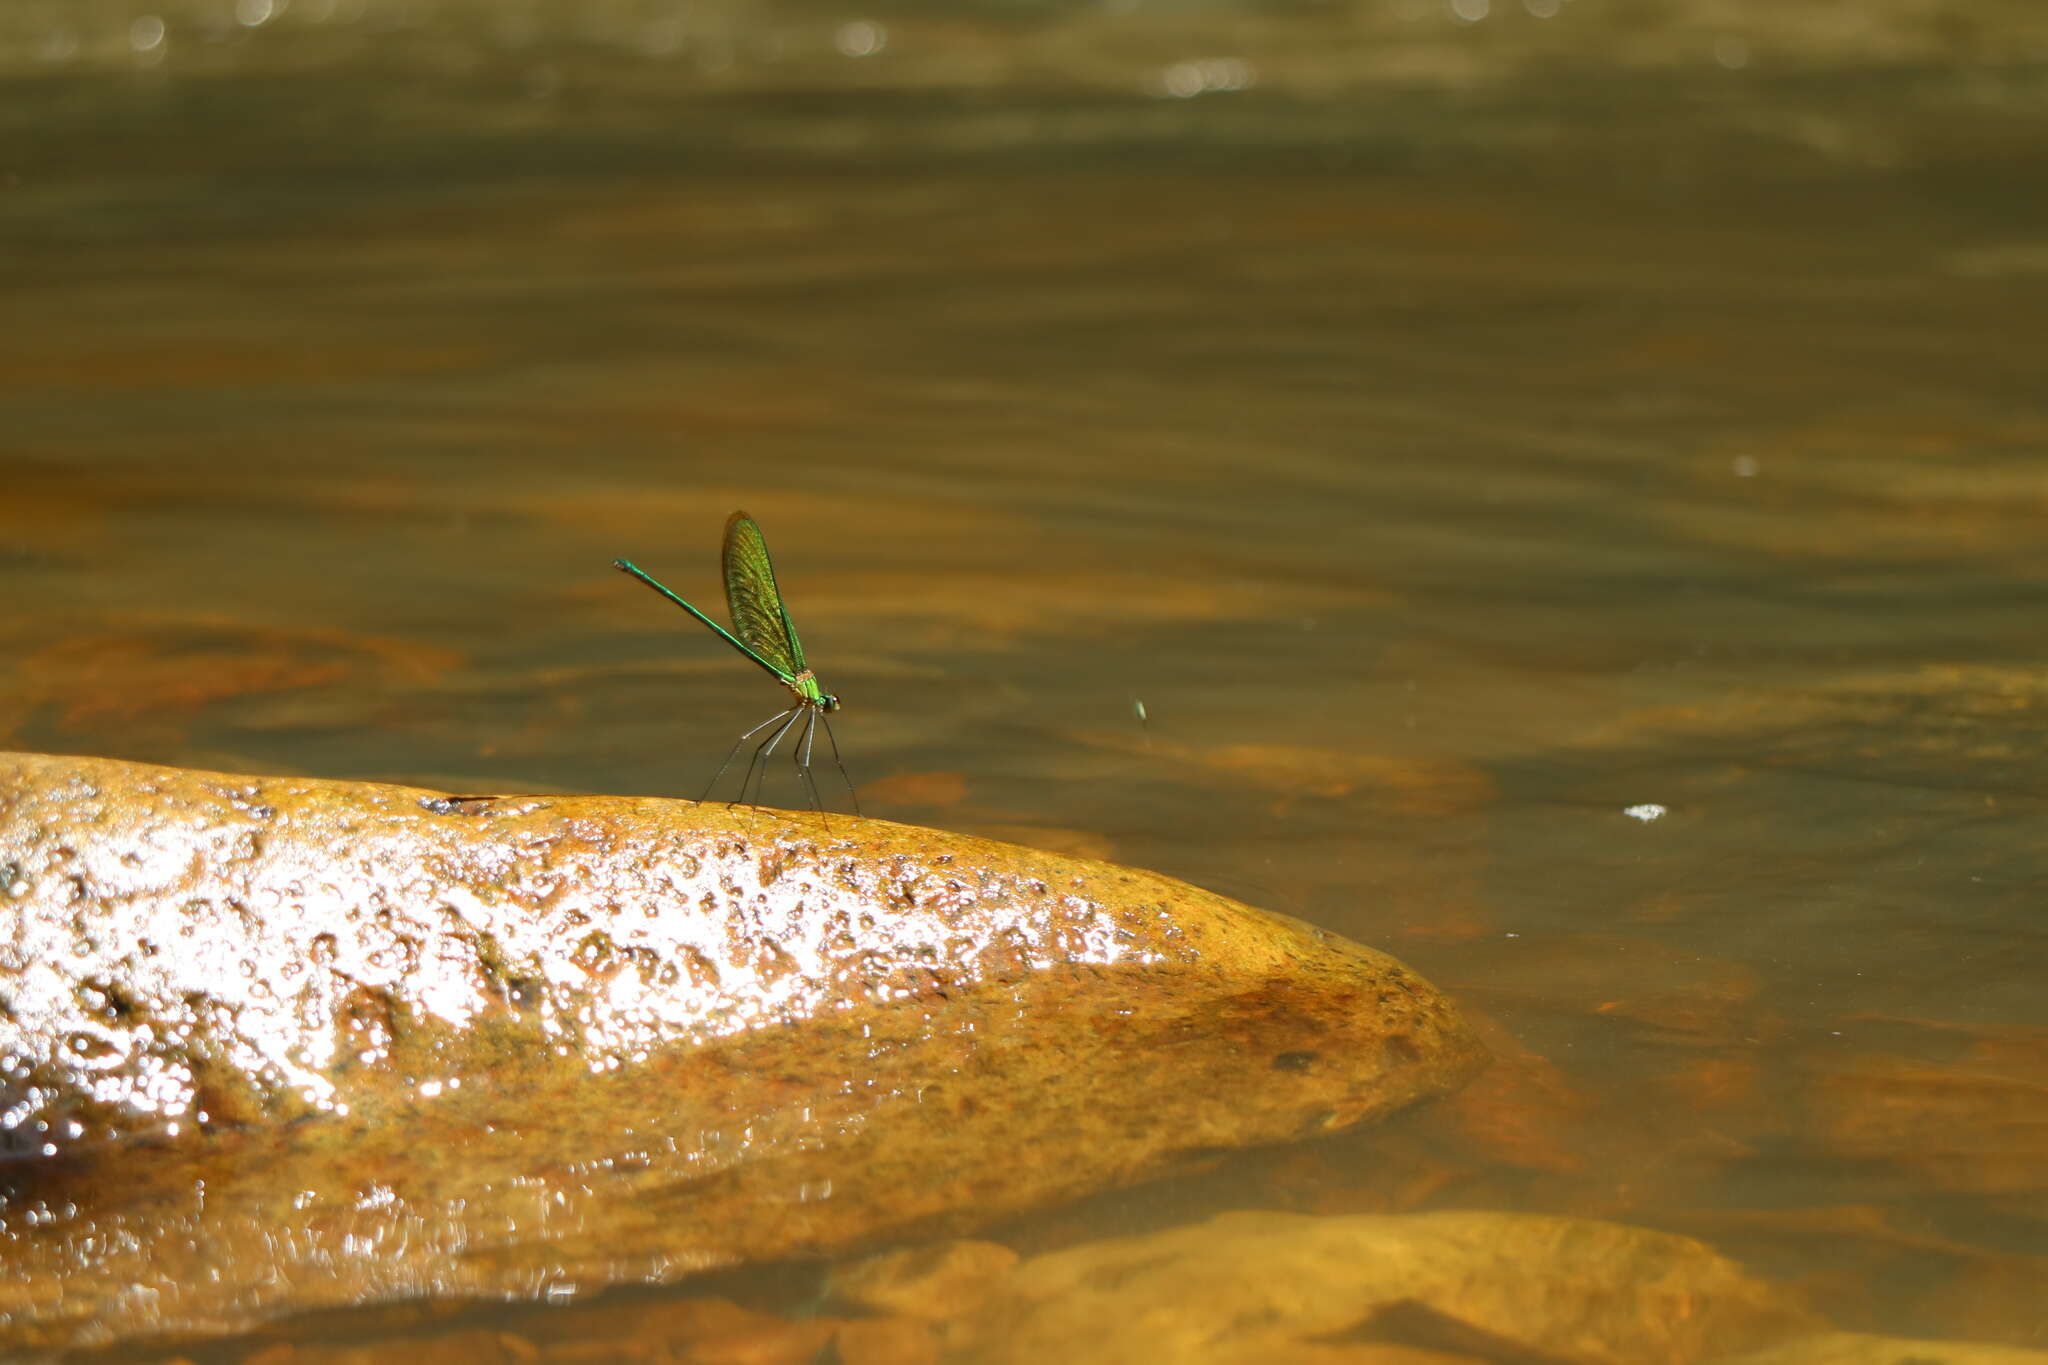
1582,536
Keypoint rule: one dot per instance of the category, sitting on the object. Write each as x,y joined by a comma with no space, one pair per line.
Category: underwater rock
1976,1125
933,1282
273,1044
1851,1348
1248,1288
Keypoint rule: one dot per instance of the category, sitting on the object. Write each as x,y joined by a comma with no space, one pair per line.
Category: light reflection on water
1600,572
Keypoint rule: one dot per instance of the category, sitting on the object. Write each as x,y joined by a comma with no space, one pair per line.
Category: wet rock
271,1044
1257,1287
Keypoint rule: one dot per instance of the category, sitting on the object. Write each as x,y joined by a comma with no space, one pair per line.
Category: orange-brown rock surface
276,1043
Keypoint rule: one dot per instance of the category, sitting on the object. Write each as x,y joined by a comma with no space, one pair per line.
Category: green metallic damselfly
762,630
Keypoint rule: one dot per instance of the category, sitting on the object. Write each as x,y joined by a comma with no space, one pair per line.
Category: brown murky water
1582,535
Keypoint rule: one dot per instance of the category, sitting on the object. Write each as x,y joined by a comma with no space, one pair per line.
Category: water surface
1581,535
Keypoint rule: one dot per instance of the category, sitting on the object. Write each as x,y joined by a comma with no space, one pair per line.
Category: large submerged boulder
268,1044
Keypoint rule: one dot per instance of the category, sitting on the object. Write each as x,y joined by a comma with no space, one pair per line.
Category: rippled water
1581,535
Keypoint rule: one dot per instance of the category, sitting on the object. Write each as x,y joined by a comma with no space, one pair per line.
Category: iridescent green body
761,630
